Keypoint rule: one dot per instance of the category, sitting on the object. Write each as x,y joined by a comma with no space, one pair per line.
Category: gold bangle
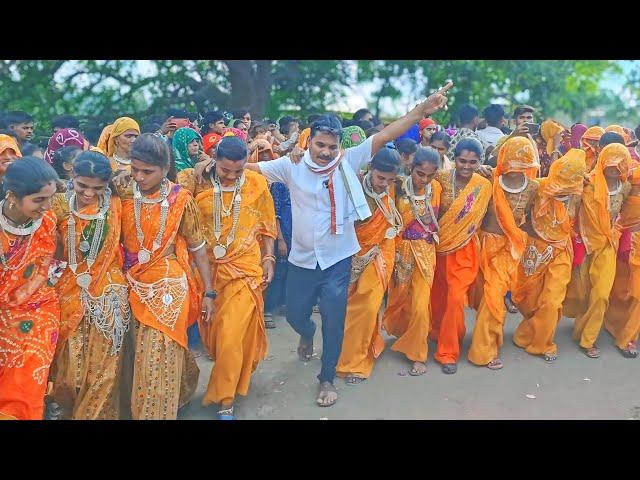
269,257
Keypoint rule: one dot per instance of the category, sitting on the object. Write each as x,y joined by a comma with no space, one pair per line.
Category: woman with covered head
604,195
463,204
427,127
116,141
29,306
502,243
67,137
408,316
545,269
187,148
552,141
94,294
162,238
622,319
589,143
9,152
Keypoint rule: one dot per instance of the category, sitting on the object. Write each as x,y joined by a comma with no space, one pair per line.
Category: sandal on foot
550,357
353,380
416,372
511,307
305,350
495,364
592,352
268,321
315,309
327,392
226,414
449,368
631,351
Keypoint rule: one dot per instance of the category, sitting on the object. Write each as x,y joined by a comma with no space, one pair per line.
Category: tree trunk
251,82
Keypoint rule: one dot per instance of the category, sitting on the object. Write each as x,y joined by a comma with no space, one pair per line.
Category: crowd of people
117,250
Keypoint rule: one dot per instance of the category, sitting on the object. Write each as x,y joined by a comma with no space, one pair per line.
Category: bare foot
327,394
417,369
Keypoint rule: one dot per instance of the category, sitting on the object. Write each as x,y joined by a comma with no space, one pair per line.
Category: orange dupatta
592,134
517,154
29,308
463,218
178,202
549,217
595,222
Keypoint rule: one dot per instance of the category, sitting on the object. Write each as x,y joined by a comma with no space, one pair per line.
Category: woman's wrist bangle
269,257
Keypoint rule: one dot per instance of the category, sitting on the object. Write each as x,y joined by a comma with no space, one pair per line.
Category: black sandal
631,350
550,357
353,380
268,321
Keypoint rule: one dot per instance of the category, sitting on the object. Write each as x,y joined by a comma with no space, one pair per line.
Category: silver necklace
31,230
617,190
144,255
220,250
122,161
392,215
21,230
84,279
413,200
520,189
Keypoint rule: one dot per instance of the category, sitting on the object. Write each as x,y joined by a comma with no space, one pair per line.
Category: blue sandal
226,414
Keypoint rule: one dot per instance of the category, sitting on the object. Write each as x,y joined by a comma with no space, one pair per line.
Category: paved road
575,387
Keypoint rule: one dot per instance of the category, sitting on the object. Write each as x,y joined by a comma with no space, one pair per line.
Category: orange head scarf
517,154
548,130
104,138
7,142
303,139
262,146
120,126
592,134
613,155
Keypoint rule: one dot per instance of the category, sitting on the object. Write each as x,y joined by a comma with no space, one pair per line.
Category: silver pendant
84,280
84,246
391,233
167,299
219,251
144,256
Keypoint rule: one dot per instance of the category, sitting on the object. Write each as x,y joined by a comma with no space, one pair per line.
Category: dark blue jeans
330,286
275,294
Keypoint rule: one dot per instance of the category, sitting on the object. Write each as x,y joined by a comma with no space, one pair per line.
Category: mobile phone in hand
534,128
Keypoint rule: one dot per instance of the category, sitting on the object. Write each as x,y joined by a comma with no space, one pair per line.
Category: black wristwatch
212,294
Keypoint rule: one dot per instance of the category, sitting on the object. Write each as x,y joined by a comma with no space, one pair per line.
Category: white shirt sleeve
278,170
359,155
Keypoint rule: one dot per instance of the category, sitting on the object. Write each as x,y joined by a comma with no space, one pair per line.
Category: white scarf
357,207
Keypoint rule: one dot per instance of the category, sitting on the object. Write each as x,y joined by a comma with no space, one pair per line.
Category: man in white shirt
326,199
494,115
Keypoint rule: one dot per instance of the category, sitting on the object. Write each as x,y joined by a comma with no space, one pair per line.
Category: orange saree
236,337
591,283
29,318
500,253
165,299
456,261
93,322
545,269
370,273
408,313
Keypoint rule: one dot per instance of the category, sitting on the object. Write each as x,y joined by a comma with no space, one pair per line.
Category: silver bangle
198,247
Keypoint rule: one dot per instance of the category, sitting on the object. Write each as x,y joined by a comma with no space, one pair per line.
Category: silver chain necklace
392,215
122,161
144,255
84,279
413,200
220,250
